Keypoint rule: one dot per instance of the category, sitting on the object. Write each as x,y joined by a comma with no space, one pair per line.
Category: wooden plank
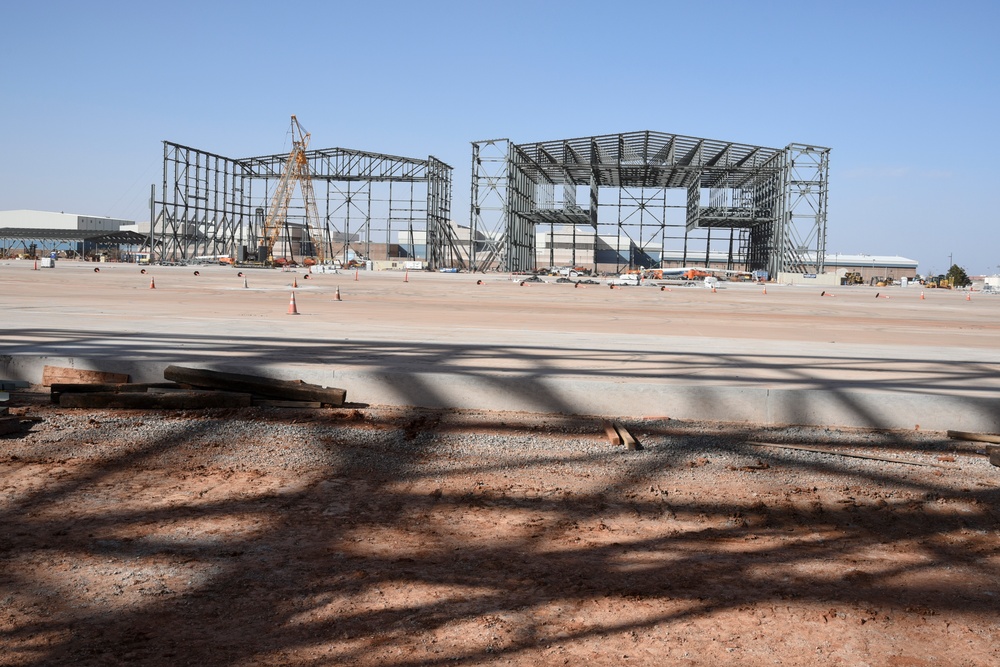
10,425
57,374
60,388
275,403
178,400
820,450
993,451
112,386
261,386
609,430
627,438
975,437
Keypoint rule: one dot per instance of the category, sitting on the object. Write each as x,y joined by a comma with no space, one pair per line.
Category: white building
25,219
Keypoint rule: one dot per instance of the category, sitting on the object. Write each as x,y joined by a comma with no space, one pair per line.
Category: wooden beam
177,400
289,390
627,438
60,388
10,425
56,374
993,451
275,403
975,437
821,450
611,432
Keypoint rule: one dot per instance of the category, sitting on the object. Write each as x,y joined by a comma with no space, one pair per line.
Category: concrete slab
442,340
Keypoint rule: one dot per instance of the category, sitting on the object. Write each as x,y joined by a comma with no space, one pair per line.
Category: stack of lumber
187,389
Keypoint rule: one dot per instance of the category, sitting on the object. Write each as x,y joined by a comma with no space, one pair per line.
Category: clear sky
906,94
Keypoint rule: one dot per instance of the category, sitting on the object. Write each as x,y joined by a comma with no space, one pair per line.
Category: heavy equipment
296,170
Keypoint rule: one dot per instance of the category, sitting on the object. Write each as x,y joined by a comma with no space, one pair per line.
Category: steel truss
370,205
766,206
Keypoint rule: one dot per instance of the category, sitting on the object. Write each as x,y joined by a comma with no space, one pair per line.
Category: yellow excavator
296,171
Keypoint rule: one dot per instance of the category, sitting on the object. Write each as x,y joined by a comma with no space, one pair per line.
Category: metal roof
646,159
92,235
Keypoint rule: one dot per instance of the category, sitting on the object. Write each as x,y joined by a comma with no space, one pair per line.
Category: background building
33,234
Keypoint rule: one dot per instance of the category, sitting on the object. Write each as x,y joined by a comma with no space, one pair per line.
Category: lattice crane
296,171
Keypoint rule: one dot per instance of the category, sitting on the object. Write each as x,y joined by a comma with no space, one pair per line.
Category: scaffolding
648,195
370,206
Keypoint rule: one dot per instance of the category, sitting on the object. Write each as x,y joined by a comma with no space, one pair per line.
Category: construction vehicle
852,278
296,171
941,281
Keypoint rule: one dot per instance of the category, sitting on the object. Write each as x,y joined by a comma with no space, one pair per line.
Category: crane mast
296,170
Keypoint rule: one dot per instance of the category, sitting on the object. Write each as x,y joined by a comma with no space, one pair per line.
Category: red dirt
394,537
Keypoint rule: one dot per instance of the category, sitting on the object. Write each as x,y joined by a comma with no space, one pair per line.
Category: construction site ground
414,527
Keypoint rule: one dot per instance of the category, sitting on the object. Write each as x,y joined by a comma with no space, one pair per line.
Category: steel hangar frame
760,208
367,202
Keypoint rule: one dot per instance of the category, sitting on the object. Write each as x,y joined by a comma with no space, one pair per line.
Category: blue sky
906,94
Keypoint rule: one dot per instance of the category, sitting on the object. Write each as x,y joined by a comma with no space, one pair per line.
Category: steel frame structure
671,193
214,205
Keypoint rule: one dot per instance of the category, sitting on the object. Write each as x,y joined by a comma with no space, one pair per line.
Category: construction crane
296,171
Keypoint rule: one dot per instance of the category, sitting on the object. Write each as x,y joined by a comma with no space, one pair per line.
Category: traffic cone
356,272
295,282
292,310
336,297
152,283
921,295
765,290
406,276
36,266
968,296
713,289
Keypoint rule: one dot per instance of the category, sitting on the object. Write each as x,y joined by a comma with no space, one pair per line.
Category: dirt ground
377,536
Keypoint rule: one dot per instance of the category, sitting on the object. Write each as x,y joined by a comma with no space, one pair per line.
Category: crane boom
296,170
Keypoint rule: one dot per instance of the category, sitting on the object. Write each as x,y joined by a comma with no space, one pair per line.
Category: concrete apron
760,404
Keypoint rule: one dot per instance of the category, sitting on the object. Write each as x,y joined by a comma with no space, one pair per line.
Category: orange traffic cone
36,266
968,296
292,310
921,295
713,289
406,276
152,283
765,290
295,282
336,297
